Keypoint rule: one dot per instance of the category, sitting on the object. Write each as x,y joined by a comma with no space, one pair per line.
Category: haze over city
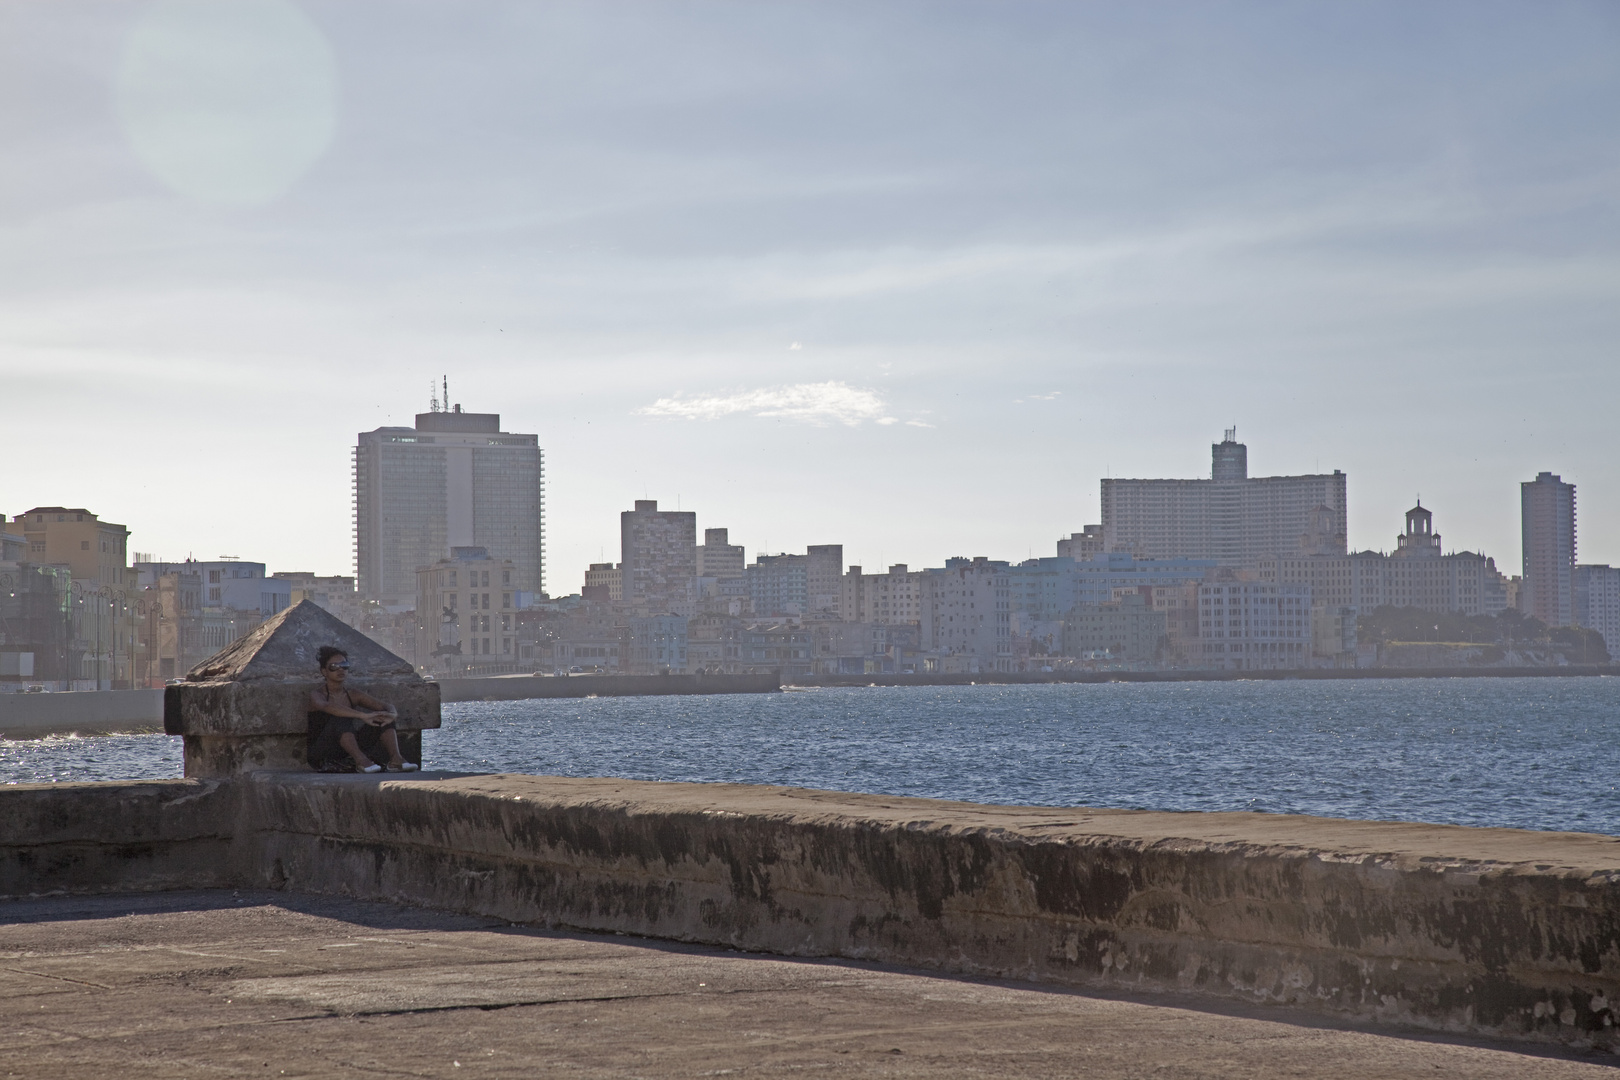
911,279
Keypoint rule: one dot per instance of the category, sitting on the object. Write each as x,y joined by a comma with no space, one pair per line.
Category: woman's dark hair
327,652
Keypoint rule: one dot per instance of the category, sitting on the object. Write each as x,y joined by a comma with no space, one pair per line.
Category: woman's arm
321,704
372,703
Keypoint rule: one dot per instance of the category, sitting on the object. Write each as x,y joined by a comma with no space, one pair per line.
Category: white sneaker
409,766
373,767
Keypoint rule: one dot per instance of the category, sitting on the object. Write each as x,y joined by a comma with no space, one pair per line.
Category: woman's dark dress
326,753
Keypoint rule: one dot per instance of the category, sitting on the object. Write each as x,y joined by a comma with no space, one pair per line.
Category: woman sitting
352,723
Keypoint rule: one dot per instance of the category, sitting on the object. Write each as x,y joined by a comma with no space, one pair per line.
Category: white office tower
1232,517
454,480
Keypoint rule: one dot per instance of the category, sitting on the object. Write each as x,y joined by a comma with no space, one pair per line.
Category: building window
84,545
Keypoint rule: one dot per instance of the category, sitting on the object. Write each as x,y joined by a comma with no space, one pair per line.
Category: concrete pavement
268,984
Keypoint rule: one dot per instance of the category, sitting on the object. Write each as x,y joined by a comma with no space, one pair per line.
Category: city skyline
907,279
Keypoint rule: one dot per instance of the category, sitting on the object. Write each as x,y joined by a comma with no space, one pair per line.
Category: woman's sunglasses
334,665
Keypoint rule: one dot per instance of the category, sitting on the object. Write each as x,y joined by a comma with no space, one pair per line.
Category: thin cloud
811,403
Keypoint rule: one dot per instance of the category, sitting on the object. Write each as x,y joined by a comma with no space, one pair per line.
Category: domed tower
1420,540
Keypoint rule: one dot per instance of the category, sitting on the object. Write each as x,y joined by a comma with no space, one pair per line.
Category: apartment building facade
455,479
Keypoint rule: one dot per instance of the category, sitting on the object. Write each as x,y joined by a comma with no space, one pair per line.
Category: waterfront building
1248,625
1547,523
891,599
1126,630
88,558
782,646
1096,579
823,570
657,556
1597,602
604,581
1232,518
658,644
92,549
466,609
714,643
37,643
967,611
334,593
1416,574
861,648
1333,635
1082,546
779,585
1179,606
224,583
455,479
718,557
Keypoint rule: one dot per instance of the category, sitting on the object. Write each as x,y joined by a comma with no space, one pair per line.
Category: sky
909,277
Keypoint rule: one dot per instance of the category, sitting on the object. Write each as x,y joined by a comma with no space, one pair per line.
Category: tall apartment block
824,570
718,557
658,556
1547,521
454,480
1597,602
1232,517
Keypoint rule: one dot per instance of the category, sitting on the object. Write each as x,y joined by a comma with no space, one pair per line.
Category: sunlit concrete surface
220,983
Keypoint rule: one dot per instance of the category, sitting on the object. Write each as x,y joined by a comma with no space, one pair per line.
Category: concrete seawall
1037,678
1498,932
519,688
30,716
24,716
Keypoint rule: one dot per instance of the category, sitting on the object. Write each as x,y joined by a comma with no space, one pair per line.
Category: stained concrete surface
264,984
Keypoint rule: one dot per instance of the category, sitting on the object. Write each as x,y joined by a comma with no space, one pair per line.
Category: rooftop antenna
1231,434
433,392
446,393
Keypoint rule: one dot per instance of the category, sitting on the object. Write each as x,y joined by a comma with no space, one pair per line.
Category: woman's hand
379,719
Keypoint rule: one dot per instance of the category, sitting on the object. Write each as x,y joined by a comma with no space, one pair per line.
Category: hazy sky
905,277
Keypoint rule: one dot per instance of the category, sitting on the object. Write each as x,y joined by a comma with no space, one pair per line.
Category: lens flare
227,102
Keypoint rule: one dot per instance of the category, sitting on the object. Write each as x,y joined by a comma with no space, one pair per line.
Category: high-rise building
779,585
1597,602
454,480
1547,521
657,556
718,557
1232,517
603,581
823,567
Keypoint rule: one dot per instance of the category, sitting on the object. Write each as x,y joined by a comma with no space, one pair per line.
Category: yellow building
100,605
94,550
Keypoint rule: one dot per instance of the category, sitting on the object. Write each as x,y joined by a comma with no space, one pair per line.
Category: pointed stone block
247,707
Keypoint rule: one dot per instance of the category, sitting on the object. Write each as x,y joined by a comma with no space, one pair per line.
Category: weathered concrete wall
28,716
126,837
518,688
1499,932
1025,678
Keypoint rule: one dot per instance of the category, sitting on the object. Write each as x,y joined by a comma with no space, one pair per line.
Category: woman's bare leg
352,748
390,741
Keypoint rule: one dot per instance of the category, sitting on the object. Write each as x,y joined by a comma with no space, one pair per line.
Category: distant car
36,690
175,682
575,670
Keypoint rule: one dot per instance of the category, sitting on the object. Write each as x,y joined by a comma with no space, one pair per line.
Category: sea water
1534,753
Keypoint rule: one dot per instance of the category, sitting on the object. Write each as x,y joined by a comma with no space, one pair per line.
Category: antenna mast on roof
1231,434
433,393
446,393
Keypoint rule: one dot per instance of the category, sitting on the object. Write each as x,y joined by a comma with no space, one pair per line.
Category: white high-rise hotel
454,480
1232,517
